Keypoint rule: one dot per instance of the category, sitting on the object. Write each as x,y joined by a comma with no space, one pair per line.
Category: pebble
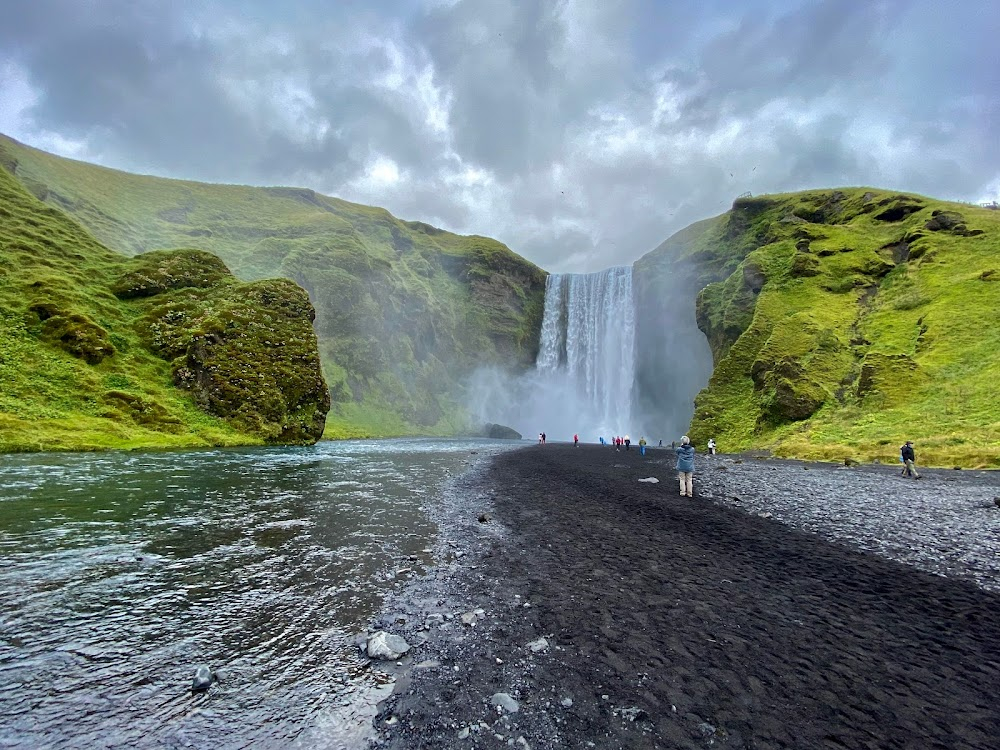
387,646
433,620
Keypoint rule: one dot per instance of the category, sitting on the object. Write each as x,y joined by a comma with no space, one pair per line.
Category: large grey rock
538,646
504,701
203,679
500,432
383,645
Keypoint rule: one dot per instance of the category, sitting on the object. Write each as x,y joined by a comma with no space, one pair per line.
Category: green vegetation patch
404,311
79,366
843,322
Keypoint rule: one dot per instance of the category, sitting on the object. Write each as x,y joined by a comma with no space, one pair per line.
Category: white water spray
585,369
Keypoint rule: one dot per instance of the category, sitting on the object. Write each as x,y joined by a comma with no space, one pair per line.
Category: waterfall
585,368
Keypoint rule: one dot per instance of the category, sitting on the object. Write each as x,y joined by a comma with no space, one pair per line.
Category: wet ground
786,605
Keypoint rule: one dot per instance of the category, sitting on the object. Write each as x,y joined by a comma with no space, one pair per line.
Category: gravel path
754,615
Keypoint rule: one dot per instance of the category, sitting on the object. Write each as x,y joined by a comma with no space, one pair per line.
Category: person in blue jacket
685,466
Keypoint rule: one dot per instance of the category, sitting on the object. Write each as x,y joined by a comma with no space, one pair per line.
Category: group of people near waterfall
685,456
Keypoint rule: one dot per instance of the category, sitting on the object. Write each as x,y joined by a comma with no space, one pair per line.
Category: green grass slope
404,311
844,322
101,351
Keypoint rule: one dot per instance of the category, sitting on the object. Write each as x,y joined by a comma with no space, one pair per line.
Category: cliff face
404,311
100,351
843,322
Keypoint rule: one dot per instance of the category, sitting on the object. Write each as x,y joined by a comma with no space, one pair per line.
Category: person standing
711,446
909,459
642,445
576,440
628,442
685,466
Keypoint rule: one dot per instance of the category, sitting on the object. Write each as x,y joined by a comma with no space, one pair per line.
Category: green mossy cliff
843,322
404,311
101,351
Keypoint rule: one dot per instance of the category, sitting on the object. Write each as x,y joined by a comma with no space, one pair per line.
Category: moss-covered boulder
246,352
71,331
163,270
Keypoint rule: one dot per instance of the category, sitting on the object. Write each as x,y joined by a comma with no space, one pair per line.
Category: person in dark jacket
909,459
685,466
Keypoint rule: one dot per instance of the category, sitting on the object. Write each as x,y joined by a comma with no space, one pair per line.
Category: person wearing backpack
685,466
906,451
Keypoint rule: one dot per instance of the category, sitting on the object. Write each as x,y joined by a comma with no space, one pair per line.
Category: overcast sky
580,132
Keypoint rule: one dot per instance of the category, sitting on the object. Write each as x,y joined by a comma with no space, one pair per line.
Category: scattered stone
203,679
463,733
386,646
566,702
484,518
538,646
504,702
433,621
469,618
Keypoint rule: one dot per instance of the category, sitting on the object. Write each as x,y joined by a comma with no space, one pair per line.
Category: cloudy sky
580,132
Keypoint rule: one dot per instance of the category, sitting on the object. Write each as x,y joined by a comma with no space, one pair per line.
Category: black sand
676,622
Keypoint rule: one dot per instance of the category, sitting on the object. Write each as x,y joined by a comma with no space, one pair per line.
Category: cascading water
585,369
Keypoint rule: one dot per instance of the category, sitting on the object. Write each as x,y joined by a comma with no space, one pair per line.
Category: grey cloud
553,100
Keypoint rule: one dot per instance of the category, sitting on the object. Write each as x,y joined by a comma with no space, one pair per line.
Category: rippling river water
121,572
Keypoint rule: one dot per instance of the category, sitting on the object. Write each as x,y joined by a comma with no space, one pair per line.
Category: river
121,572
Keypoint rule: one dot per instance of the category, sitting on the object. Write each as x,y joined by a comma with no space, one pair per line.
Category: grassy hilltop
403,310
843,322
168,350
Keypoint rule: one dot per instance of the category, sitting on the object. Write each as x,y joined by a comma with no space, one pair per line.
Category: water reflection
119,573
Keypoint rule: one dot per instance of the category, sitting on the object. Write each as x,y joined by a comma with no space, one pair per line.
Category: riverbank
617,614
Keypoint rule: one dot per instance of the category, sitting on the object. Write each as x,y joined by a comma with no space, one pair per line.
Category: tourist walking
628,442
642,446
711,446
909,459
576,440
685,466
